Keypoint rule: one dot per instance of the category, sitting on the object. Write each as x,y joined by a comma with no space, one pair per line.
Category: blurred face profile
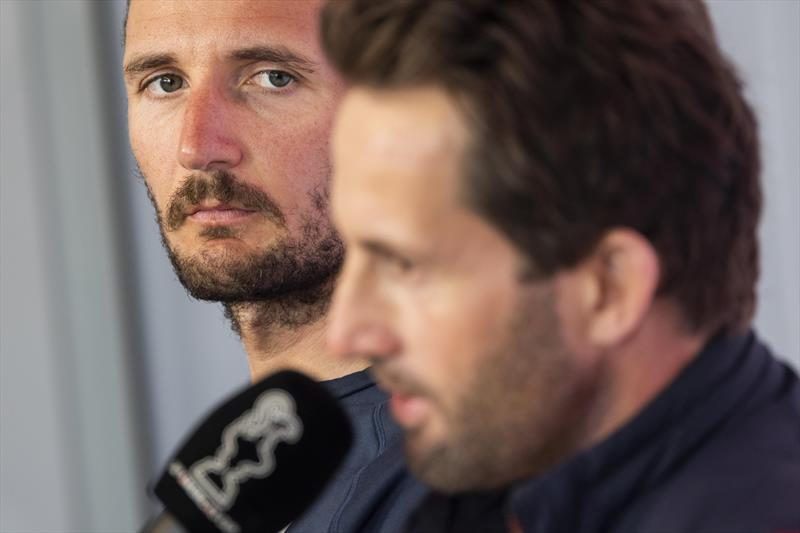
229,107
434,297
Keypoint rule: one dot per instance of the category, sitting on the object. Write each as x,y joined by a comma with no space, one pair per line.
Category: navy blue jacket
373,491
717,451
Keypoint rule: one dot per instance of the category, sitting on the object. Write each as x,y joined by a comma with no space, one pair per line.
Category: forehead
400,150
200,25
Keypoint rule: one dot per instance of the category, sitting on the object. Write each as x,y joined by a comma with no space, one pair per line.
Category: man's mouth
409,410
217,200
409,405
218,214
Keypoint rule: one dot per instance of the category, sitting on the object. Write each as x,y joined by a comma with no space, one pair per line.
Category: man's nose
208,139
359,324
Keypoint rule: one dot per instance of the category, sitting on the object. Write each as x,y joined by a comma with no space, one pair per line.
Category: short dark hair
587,115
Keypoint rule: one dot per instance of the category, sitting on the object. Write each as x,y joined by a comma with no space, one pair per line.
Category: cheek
453,330
152,149
296,163
298,126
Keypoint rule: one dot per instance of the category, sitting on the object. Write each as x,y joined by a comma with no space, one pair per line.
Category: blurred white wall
70,439
762,37
104,361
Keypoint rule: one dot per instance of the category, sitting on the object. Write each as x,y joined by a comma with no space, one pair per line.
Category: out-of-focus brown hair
586,116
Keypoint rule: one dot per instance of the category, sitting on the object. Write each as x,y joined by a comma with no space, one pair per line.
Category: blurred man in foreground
229,107
550,210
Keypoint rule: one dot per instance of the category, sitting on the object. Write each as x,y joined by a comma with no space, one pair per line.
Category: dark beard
523,413
288,284
289,268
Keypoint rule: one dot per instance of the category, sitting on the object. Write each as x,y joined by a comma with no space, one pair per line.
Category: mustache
224,187
388,377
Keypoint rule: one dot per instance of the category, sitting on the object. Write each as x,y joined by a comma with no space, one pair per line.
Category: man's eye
274,79
399,265
165,84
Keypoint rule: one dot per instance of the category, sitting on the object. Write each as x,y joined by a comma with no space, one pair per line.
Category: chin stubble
524,411
287,284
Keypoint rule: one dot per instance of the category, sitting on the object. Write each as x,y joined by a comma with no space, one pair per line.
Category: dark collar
349,384
594,486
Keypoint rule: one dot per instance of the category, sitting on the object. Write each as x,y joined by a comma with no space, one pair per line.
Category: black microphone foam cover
258,461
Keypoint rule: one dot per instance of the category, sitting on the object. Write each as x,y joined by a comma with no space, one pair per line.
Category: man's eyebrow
271,54
276,54
143,63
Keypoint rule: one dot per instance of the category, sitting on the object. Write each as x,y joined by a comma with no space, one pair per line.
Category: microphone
257,461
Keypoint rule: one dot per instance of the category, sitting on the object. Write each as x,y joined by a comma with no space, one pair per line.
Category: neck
642,367
273,343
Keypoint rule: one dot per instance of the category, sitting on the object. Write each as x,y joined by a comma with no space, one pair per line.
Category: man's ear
604,298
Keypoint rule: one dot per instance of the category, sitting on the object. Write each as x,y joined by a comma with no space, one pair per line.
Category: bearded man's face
229,123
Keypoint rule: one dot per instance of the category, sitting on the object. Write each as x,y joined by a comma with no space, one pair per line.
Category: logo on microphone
272,419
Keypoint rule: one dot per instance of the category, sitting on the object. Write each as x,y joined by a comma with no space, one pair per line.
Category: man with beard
229,107
550,212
